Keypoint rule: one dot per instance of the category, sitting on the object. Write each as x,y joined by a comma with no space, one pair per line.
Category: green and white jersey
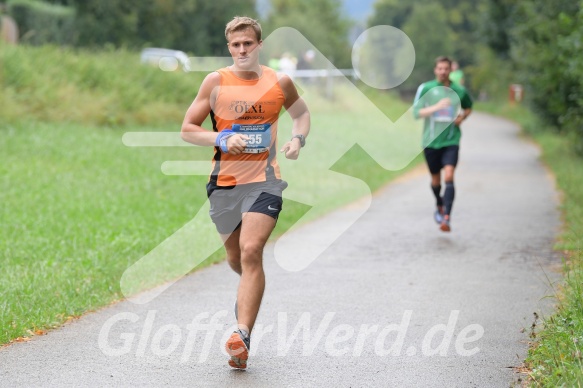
438,129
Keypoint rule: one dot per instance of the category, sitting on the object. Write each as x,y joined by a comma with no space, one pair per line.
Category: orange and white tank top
251,107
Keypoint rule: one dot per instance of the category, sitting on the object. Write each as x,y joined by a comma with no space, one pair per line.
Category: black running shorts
229,203
437,158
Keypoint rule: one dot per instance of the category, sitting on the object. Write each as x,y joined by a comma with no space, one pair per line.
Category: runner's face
441,71
242,46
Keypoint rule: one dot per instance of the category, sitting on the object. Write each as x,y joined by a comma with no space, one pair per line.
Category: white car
166,59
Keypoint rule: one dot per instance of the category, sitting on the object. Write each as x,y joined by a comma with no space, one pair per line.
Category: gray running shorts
229,203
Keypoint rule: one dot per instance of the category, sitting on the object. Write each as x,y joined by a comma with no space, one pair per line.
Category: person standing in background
456,75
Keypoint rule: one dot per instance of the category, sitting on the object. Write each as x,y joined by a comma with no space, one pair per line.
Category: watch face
302,139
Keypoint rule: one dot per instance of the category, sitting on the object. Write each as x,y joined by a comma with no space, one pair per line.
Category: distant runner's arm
431,109
462,116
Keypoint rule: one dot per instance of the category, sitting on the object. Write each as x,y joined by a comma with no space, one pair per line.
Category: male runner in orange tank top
245,186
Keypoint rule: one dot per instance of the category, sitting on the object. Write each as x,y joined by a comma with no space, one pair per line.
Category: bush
40,23
56,84
490,76
547,46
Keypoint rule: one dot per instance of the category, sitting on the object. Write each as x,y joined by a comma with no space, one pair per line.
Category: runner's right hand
443,103
236,144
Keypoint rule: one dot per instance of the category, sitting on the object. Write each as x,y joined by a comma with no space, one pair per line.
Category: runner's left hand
291,149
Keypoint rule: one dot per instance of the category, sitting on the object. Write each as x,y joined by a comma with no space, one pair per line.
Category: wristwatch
302,139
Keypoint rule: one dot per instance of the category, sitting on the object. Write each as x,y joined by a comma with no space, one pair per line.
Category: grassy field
555,357
79,207
110,88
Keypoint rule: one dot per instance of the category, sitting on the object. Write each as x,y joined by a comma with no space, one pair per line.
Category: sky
358,10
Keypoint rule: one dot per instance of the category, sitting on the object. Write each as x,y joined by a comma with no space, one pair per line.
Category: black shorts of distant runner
437,158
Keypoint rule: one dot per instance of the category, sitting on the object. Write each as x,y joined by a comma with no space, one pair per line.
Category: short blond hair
240,23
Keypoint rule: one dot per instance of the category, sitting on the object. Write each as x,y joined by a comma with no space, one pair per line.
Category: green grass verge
79,207
555,357
59,84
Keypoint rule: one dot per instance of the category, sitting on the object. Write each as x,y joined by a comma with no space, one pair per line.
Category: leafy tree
160,22
547,47
196,26
393,13
455,22
203,30
320,21
431,35
464,17
100,22
497,26
41,23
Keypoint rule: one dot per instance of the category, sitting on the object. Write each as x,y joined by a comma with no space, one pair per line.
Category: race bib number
259,137
446,115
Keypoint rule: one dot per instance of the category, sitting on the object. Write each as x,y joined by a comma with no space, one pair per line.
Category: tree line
496,42
546,46
188,25
193,26
536,43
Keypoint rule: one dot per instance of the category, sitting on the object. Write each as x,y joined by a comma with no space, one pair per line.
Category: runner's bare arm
192,131
462,116
298,110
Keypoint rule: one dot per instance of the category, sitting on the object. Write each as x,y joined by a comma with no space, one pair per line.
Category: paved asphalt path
394,302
